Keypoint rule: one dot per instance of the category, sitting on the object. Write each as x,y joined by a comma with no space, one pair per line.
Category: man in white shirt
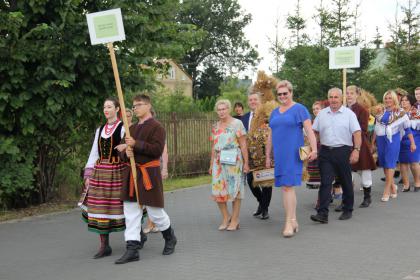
340,137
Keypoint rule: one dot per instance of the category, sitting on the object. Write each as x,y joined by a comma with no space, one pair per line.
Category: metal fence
188,140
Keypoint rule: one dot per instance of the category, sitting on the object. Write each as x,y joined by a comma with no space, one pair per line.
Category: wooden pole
344,86
123,113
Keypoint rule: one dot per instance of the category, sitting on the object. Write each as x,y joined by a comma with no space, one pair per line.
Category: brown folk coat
150,141
366,161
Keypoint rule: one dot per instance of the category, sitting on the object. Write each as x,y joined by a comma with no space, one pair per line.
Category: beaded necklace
109,129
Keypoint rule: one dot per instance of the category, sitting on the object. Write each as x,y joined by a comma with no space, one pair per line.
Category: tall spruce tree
296,24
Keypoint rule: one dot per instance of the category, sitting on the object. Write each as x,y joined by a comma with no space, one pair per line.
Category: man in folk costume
146,145
258,130
366,163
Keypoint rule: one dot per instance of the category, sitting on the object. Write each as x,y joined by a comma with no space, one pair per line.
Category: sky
264,13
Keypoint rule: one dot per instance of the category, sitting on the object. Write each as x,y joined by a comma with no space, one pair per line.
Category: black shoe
367,200
416,189
131,254
264,215
170,241
320,218
345,215
365,203
339,208
312,186
143,239
258,212
103,252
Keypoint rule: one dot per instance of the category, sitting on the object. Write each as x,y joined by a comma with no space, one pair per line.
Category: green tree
223,44
411,23
307,68
276,48
322,19
378,39
296,23
402,68
53,82
339,26
232,90
209,82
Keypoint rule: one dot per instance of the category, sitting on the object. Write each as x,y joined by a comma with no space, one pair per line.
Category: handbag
228,156
263,175
304,152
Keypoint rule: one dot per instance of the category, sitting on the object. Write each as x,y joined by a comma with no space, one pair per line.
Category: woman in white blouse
100,202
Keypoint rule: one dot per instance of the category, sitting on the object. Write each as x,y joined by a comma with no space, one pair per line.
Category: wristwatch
357,149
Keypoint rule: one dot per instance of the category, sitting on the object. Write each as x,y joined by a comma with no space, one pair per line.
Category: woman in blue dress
391,124
407,158
285,138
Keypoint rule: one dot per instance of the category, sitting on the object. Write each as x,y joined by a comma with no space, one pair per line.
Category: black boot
258,212
170,241
105,249
367,200
131,254
143,239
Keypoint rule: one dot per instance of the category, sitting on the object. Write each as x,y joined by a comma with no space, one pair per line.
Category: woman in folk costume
391,124
366,163
407,158
257,138
314,176
101,204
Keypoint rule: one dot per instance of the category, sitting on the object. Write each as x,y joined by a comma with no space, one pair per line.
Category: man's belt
334,148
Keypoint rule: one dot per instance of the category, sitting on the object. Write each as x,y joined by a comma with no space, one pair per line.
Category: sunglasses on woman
282,93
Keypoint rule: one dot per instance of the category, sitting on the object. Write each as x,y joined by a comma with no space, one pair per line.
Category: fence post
175,131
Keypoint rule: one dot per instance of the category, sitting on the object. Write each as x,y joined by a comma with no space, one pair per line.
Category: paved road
381,242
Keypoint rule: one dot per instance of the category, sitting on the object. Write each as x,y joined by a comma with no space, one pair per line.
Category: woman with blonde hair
391,124
228,164
287,123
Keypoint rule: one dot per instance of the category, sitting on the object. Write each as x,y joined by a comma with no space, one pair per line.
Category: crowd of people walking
276,144
350,136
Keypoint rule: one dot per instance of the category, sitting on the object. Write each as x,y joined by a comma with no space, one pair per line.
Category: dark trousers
335,162
263,195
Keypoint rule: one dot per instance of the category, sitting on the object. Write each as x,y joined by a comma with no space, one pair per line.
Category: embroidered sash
398,121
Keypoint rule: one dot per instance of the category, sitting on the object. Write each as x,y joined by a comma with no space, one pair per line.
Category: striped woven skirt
313,172
103,208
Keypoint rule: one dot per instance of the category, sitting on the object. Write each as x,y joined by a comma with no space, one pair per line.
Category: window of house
171,73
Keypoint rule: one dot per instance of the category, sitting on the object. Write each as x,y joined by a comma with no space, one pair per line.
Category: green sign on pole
345,57
105,26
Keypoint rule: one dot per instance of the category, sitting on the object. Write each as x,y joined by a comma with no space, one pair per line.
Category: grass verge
182,183
52,207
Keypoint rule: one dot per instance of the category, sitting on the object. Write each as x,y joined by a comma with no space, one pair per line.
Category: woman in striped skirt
101,204
313,170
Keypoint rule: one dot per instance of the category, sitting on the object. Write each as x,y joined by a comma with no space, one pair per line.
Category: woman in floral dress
228,165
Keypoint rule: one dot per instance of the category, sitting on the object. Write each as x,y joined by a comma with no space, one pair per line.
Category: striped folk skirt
102,207
314,173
